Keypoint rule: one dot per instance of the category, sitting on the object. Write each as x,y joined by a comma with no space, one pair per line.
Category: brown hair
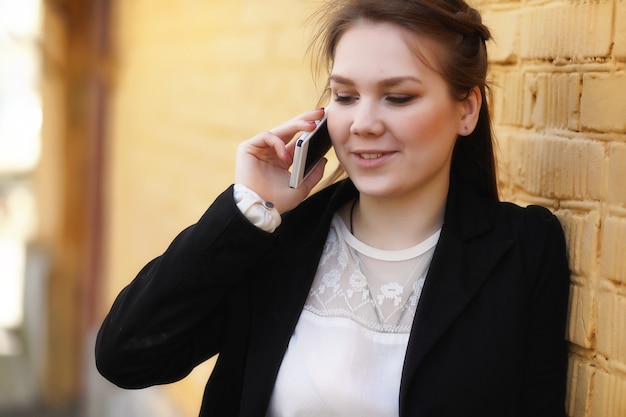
462,62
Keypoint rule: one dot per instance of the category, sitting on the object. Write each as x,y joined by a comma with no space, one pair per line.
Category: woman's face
392,119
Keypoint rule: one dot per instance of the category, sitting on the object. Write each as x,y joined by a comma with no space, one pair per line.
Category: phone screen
319,144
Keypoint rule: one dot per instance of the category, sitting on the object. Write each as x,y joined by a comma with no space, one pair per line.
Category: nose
367,121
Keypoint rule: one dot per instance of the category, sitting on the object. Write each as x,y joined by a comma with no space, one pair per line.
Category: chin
374,187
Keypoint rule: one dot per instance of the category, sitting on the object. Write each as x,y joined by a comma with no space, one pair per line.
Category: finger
287,131
265,145
281,151
303,122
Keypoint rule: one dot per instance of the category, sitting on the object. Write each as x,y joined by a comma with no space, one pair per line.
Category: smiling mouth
370,155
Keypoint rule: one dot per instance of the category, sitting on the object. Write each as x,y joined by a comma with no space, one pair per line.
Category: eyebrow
387,82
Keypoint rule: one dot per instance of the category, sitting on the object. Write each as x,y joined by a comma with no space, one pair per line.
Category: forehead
383,47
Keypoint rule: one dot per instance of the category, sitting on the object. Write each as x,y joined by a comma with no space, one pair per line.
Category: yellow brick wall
560,115
195,77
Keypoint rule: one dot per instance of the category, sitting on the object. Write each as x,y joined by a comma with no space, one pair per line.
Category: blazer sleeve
175,313
546,352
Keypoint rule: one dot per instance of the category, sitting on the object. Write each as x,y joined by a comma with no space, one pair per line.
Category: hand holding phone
310,148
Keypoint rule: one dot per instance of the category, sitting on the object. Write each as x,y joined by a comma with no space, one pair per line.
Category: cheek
337,130
429,134
440,121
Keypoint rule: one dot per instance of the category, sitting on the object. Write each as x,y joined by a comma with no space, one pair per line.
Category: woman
406,289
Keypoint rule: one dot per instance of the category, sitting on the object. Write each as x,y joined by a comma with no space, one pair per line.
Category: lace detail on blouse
375,288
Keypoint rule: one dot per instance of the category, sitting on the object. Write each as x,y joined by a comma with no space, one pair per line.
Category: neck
393,224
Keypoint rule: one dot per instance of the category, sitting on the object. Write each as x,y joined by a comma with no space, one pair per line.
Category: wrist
259,212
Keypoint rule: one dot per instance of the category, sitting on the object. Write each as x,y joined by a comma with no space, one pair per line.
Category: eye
344,98
400,98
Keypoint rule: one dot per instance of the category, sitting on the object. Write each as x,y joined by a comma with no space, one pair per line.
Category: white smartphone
310,148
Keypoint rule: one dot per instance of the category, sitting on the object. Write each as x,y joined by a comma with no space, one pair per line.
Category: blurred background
119,122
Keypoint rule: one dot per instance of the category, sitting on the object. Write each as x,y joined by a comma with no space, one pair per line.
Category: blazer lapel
463,260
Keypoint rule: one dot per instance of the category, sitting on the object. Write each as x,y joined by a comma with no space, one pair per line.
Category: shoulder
538,236
541,231
531,221
533,227
470,215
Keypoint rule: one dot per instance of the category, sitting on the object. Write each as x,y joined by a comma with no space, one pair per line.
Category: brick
602,106
573,102
581,326
582,236
507,96
556,167
557,97
580,374
535,100
551,100
572,30
619,48
613,256
617,173
504,27
609,395
612,326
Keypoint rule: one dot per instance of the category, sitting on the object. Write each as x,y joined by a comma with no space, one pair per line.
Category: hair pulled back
461,60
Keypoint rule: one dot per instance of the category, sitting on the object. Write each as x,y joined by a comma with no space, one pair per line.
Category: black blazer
487,338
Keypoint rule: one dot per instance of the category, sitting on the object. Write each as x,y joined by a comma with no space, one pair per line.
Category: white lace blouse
346,354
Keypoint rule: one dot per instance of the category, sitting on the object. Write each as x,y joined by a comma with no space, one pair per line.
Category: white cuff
261,213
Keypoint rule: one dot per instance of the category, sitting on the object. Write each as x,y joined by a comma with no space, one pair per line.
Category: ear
470,109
